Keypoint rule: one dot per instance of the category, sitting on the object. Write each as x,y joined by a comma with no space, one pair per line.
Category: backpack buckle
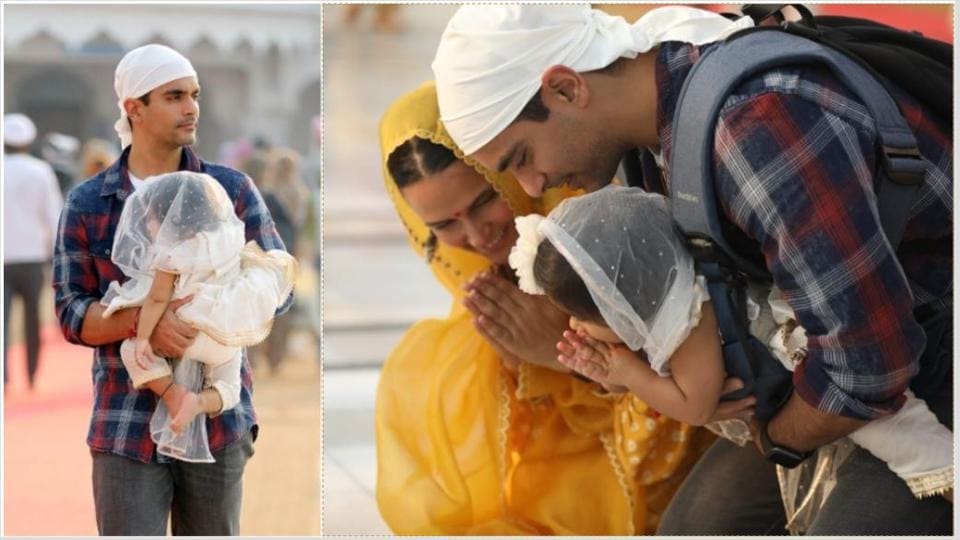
704,250
904,166
713,262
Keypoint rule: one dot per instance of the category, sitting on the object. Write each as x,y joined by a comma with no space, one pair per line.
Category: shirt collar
116,180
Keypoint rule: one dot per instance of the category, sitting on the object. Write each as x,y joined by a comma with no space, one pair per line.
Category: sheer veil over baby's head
166,212
622,243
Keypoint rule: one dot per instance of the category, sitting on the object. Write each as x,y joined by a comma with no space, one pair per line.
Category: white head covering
140,71
491,57
18,130
623,244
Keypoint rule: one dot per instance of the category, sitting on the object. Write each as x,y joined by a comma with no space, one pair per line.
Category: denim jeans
200,499
734,491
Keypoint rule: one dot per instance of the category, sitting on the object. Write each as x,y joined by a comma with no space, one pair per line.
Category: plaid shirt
82,271
795,158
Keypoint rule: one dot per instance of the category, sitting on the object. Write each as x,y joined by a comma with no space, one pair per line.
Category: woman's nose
475,233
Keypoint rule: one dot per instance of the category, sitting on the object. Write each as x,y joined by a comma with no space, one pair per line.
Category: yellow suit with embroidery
466,447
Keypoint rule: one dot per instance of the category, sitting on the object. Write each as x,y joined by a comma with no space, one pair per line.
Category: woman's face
463,210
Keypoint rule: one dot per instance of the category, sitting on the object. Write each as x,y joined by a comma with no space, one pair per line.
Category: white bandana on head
491,57
140,71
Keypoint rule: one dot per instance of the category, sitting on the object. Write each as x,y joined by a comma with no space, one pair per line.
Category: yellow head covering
417,115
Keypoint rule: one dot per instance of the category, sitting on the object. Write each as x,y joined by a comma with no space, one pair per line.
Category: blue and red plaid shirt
795,159
82,272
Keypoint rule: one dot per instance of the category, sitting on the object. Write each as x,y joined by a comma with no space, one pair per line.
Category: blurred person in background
311,170
254,165
284,191
235,152
286,198
31,206
97,155
60,151
384,16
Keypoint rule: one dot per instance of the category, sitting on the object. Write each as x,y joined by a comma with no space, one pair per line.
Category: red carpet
47,488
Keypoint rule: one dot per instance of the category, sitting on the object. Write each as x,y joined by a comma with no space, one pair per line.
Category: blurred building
259,66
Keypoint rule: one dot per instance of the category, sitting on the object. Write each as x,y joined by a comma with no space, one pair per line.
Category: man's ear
564,85
133,106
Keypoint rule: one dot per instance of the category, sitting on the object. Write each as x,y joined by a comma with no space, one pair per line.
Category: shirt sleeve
259,224
75,283
798,178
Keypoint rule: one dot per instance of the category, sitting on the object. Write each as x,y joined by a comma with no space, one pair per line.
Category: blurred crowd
290,185
39,171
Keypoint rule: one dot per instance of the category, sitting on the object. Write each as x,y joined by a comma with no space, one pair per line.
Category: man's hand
518,325
743,408
172,336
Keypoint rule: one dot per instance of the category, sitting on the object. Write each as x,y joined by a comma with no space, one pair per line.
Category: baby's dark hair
563,286
196,214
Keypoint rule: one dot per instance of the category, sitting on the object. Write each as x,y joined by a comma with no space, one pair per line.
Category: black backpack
921,66
864,55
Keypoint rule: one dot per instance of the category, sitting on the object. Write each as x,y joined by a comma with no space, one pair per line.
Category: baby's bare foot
190,407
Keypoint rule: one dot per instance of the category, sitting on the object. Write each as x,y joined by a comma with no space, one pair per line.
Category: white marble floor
349,454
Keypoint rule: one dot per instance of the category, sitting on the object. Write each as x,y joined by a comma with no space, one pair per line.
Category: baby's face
596,331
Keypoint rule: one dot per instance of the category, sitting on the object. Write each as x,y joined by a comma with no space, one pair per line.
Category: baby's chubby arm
693,390
156,303
690,394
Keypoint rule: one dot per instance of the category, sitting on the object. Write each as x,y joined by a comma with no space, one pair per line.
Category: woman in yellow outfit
469,439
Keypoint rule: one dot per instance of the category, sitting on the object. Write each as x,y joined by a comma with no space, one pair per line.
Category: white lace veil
623,244
163,216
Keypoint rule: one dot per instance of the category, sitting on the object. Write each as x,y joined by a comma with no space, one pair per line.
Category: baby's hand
143,353
586,356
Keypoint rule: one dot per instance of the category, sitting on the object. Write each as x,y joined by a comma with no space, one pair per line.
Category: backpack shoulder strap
695,209
710,82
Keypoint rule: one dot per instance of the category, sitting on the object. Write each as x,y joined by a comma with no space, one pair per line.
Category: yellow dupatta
464,447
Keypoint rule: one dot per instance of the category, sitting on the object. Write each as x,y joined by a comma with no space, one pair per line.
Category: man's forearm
802,427
99,331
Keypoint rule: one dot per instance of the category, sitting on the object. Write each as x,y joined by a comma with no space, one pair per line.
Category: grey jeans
734,491
200,499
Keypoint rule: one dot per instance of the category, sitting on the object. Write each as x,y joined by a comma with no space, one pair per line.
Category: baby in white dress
178,237
614,261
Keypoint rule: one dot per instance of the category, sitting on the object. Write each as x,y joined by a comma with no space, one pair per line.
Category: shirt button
107,252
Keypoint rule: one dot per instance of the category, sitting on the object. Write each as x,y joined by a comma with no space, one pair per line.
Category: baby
178,237
614,261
